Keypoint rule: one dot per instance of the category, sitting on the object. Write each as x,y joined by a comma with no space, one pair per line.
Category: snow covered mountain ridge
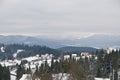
99,41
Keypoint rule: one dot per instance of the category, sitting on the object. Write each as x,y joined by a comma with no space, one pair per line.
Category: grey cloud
58,16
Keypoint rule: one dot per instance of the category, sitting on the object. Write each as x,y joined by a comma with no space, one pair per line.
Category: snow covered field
13,77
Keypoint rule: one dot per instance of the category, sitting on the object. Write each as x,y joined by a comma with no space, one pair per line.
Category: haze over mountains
97,41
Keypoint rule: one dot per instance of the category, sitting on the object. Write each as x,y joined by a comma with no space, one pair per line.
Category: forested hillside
78,49
8,51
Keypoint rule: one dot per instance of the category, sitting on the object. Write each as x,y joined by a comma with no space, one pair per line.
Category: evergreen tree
20,71
4,73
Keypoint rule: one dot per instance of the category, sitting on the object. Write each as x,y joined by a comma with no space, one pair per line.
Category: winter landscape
19,61
59,40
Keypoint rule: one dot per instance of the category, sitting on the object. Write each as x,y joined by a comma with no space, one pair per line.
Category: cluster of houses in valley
40,59
37,60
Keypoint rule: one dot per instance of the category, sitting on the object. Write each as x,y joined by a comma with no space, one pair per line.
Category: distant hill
100,41
97,41
29,41
78,49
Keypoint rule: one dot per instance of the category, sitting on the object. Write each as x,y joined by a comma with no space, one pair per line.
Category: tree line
27,51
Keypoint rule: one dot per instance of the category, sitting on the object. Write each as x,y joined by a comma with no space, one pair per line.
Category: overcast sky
60,18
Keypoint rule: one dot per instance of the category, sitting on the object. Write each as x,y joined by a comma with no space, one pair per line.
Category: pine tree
52,65
4,73
20,71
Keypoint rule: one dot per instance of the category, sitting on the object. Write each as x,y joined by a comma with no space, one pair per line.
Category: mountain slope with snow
97,41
